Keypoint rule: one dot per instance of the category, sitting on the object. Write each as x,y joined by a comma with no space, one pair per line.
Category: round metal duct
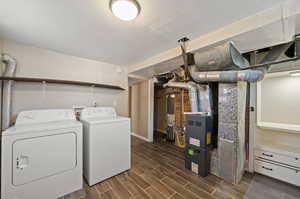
222,57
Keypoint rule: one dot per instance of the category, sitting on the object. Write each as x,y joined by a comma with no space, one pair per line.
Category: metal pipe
228,76
193,92
10,69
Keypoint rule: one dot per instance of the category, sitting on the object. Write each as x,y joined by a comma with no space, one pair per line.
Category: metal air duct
228,76
10,69
225,56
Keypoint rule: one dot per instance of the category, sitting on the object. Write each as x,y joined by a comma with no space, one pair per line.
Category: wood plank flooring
158,173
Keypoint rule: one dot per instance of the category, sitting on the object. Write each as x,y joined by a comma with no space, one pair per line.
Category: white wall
1,65
142,95
41,63
279,103
139,109
280,100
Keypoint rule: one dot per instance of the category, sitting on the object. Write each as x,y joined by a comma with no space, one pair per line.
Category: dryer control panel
42,116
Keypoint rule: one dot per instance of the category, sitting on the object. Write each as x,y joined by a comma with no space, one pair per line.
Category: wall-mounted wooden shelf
56,81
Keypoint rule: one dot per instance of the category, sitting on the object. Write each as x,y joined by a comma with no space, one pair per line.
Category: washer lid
98,112
98,120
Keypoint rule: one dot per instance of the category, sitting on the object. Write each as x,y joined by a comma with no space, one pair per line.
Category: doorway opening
170,104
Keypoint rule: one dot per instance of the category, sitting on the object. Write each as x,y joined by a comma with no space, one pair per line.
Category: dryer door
40,157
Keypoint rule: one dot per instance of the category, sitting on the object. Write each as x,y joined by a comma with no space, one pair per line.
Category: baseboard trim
160,131
140,137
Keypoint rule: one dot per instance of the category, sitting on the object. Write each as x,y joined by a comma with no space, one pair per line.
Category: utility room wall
140,109
41,63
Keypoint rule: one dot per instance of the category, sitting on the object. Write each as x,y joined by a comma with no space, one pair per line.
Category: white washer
42,155
106,144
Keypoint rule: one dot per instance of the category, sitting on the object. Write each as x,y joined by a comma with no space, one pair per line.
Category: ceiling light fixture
125,10
295,73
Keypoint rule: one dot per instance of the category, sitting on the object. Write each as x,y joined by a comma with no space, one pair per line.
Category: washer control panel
103,112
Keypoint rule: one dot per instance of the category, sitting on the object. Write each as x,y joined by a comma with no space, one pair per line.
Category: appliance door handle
22,162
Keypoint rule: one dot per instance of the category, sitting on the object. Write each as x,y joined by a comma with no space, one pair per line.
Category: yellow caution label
208,138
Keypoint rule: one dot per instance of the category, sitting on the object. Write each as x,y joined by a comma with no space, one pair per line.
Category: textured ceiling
86,28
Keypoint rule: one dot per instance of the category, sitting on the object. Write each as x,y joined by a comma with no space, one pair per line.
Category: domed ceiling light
125,9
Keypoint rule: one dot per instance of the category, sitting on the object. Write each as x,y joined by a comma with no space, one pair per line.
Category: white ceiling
86,28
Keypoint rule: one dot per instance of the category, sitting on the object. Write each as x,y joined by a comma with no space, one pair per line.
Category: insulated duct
228,76
204,98
221,57
9,71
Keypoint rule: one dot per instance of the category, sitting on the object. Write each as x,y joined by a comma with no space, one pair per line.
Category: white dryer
42,155
106,144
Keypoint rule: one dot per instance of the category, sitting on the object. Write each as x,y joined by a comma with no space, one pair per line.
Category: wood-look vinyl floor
158,173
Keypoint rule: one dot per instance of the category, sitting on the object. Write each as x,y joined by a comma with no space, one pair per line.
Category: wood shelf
56,81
